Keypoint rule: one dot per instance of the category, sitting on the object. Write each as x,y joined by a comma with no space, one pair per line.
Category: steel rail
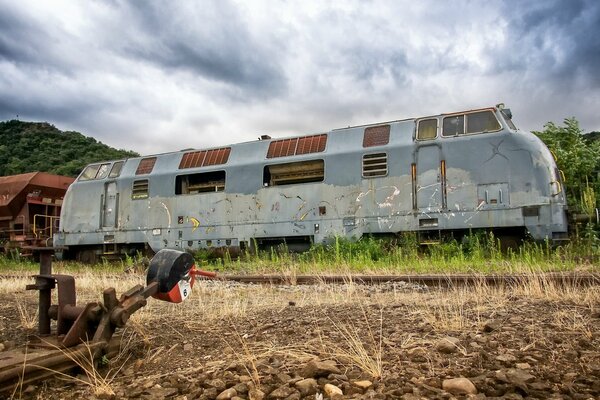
441,280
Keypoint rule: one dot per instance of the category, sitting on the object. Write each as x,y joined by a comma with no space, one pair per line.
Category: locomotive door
429,186
109,206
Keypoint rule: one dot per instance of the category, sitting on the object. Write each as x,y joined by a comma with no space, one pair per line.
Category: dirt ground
397,340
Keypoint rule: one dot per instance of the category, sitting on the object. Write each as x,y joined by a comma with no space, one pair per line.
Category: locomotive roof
259,148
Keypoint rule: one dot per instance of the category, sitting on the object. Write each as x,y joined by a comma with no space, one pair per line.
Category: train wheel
87,256
509,243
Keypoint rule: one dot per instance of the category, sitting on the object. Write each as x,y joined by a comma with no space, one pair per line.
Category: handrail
559,188
50,226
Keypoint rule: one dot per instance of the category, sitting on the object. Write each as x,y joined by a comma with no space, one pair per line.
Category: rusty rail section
84,333
557,278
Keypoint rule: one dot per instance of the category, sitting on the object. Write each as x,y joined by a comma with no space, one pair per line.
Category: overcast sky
157,76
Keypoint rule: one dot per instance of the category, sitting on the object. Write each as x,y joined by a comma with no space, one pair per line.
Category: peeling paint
168,214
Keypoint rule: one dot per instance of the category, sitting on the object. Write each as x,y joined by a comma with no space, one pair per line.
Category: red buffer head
175,273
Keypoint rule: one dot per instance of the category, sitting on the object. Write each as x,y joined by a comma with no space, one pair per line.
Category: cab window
427,129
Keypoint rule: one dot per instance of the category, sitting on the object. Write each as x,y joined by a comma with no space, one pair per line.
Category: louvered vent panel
374,165
297,146
145,166
205,158
376,136
311,144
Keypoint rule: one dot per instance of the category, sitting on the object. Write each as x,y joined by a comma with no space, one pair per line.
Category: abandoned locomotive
435,175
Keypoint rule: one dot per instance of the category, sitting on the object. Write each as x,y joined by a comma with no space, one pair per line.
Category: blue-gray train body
448,173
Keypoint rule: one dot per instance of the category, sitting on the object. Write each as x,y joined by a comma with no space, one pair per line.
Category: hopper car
30,209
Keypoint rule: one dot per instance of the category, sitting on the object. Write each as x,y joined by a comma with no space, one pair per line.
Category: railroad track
580,279
437,280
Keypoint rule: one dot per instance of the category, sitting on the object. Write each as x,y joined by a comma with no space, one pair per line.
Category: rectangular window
145,166
115,171
427,129
102,171
454,125
483,121
139,189
376,136
205,158
374,165
205,182
297,146
292,173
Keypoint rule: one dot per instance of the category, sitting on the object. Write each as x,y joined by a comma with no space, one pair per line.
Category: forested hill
39,146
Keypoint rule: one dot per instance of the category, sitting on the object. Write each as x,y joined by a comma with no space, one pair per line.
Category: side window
374,165
89,172
205,182
139,189
454,125
292,173
102,171
97,171
484,121
115,171
427,129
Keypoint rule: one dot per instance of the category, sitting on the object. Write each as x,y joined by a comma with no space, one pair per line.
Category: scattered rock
363,384
217,384
227,394
256,394
506,358
332,391
522,365
459,386
241,388
447,345
29,389
315,369
2,347
307,386
188,347
282,392
516,377
492,325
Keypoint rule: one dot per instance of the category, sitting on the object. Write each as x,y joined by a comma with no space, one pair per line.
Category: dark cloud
132,73
209,40
16,34
558,39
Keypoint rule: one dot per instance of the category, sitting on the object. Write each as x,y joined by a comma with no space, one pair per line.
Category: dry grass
98,383
359,348
27,320
362,340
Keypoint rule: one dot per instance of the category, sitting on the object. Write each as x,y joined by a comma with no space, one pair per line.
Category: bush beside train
436,175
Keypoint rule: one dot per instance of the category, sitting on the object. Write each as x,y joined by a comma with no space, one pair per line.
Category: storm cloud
165,75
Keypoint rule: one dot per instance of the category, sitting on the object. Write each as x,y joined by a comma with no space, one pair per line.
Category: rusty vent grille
204,158
376,136
145,166
297,146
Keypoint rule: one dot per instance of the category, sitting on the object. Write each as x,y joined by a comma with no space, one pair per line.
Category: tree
39,146
579,158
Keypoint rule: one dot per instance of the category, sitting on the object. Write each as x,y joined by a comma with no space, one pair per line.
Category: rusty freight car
30,208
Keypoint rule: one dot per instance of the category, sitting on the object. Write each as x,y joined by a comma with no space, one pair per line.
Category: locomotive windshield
475,122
